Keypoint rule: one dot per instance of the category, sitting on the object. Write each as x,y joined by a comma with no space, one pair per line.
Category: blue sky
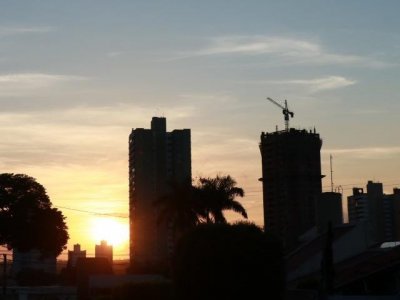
76,76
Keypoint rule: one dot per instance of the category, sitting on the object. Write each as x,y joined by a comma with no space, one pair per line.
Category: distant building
368,208
104,250
380,212
74,255
329,210
33,259
357,206
291,176
394,215
391,211
156,157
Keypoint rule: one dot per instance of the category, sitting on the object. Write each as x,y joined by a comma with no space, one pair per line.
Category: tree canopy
180,206
27,218
223,261
217,195
187,205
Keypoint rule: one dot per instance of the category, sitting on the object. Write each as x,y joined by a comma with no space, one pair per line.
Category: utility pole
331,174
4,274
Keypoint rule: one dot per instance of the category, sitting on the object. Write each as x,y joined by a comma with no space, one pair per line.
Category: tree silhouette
186,206
179,207
27,220
223,261
217,195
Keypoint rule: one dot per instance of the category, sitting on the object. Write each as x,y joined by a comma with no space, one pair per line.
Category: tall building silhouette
291,176
156,157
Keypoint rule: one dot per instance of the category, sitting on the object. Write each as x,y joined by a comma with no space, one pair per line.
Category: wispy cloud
316,84
36,79
207,98
114,54
20,83
258,45
366,152
288,50
8,30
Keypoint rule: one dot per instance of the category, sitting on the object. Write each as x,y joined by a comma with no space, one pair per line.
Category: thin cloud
366,152
36,78
206,98
288,50
17,84
6,31
316,84
114,54
258,45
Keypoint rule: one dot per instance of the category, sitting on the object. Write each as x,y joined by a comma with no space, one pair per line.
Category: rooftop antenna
285,110
331,174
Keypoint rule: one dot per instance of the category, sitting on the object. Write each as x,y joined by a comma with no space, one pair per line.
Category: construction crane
285,110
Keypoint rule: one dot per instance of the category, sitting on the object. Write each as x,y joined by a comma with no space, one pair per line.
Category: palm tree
216,195
177,207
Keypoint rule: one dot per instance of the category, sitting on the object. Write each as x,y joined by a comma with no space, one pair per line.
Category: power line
112,215
359,184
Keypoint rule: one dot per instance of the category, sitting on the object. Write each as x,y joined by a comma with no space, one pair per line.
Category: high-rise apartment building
156,158
291,176
379,212
368,208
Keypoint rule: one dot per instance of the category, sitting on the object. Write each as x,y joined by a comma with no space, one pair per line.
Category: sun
112,230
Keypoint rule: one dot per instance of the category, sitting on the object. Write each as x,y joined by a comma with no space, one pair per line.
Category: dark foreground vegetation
219,261
228,262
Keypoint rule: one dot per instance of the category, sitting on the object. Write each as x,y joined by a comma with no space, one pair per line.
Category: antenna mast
331,173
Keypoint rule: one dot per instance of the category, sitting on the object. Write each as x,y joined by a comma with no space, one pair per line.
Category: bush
221,261
146,290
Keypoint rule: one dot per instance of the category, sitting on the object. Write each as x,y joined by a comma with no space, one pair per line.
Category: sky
77,76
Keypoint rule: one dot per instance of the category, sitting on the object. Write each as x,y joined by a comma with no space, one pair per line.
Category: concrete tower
156,157
291,176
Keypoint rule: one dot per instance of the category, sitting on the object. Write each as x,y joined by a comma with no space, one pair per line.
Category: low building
348,241
74,255
147,286
33,260
43,292
86,267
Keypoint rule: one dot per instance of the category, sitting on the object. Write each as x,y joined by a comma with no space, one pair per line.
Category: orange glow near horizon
111,230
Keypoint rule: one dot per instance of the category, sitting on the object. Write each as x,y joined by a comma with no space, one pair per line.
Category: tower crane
285,110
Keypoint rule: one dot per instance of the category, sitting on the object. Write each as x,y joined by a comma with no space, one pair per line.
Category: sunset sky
77,76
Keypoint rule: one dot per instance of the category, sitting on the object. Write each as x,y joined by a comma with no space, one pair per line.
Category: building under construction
291,176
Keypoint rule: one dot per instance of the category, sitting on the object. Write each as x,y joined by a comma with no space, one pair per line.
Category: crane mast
285,110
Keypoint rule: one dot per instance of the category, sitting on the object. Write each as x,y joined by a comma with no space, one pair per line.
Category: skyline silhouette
77,77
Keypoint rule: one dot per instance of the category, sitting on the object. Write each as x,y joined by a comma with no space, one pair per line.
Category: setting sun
113,231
